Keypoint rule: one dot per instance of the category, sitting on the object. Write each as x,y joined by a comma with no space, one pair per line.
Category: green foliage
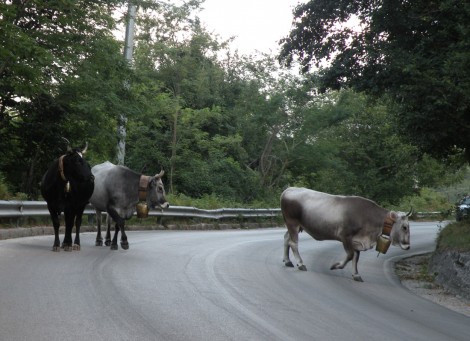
4,192
414,51
228,131
211,201
351,147
53,56
458,189
427,200
455,236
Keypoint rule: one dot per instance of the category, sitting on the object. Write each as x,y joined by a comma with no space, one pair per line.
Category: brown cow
355,221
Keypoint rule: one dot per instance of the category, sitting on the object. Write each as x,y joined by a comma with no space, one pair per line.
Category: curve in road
213,285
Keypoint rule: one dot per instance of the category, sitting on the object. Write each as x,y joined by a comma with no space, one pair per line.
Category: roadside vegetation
234,130
455,236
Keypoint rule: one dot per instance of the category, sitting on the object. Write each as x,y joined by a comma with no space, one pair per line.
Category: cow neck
143,185
61,168
388,223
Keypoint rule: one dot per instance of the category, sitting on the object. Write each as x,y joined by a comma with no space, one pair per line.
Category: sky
257,24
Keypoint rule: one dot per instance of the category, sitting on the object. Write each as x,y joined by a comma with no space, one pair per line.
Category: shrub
4,191
428,200
455,236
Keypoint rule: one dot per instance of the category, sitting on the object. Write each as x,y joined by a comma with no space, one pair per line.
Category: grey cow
117,191
354,221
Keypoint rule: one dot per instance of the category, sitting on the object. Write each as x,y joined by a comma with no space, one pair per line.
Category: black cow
67,187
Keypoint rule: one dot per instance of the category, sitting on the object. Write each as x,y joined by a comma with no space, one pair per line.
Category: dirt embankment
442,277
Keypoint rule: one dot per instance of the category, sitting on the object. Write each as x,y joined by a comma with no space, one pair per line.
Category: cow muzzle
160,206
164,205
405,246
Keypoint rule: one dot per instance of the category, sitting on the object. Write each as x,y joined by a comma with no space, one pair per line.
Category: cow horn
159,175
410,212
69,149
85,149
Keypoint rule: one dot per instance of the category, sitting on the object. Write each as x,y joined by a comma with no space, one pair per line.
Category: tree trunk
174,141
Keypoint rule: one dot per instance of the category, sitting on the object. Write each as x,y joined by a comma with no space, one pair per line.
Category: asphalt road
212,285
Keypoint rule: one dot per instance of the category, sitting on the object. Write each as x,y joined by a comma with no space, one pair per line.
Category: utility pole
128,49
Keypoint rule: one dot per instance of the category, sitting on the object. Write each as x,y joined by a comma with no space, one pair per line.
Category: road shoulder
412,272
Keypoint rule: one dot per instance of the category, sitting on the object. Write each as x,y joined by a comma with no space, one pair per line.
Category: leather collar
61,168
143,187
388,223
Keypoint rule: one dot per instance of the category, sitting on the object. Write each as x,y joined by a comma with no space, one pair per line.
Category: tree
375,162
42,44
164,61
350,145
47,80
416,52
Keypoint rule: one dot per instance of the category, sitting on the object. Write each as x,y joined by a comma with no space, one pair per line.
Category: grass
455,236
415,268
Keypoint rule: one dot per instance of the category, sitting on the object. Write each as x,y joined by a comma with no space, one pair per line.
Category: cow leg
355,260
124,242
78,224
99,238
293,243
56,223
119,224
353,255
108,230
286,259
69,220
349,255
114,241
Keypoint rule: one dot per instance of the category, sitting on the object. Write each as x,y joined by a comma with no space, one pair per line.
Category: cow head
156,192
74,165
400,234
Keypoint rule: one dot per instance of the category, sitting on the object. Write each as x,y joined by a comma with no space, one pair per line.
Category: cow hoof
289,264
107,243
303,268
56,248
99,243
76,247
114,247
357,278
336,266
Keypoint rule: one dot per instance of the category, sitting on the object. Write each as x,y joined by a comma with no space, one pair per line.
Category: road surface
213,285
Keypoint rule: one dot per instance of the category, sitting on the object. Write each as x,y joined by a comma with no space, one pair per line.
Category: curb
19,232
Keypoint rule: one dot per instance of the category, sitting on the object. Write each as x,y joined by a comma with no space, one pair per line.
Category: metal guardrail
17,209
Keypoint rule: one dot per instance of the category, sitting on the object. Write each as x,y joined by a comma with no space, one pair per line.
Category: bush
455,236
4,192
212,201
428,200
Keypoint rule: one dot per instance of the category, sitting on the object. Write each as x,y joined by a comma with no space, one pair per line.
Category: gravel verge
413,274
